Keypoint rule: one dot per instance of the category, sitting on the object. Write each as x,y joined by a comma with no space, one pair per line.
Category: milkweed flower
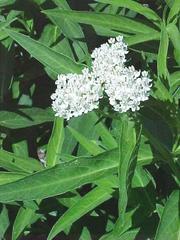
107,57
76,94
125,86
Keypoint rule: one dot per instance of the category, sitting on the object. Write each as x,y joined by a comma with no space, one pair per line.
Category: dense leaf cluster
103,175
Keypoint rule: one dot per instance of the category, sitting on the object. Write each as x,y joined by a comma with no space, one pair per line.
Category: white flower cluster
76,94
125,86
80,93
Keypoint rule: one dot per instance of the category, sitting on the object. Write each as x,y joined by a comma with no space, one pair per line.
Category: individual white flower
125,86
76,94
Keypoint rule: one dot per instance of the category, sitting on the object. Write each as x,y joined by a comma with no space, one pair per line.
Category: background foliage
107,176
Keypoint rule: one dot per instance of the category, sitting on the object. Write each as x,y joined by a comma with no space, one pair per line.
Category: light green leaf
174,11
174,81
20,148
62,178
127,163
90,146
59,63
4,3
12,162
163,53
127,143
113,22
25,217
169,225
134,6
174,35
4,221
55,143
139,38
87,203
72,31
7,177
25,117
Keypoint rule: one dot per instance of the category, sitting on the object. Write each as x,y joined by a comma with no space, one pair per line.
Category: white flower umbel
76,94
125,86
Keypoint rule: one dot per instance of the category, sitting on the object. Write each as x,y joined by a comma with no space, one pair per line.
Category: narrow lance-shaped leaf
4,3
4,220
91,147
134,6
174,35
174,11
12,162
25,117
88,202
7,177
127,162
163,53
25,217
59,63
169,224
113,22
72,31
55,143
62,178
140,37
127,143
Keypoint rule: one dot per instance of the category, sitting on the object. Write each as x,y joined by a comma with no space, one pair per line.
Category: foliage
107,176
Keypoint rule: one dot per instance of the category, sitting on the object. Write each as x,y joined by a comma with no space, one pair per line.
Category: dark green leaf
25,117
113,22
59,63
169,224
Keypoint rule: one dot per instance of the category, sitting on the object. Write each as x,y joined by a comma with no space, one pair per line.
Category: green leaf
140,38
174,81
59,63
127,163
20,148
71,30
55,143
104,133
141,179
4,221
64,177
174,35
12,162
163,53
174,11
4,3
129,235
113,22
90,146
6,67
25,117
7,177
134,6
87,203
24,217
169,224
